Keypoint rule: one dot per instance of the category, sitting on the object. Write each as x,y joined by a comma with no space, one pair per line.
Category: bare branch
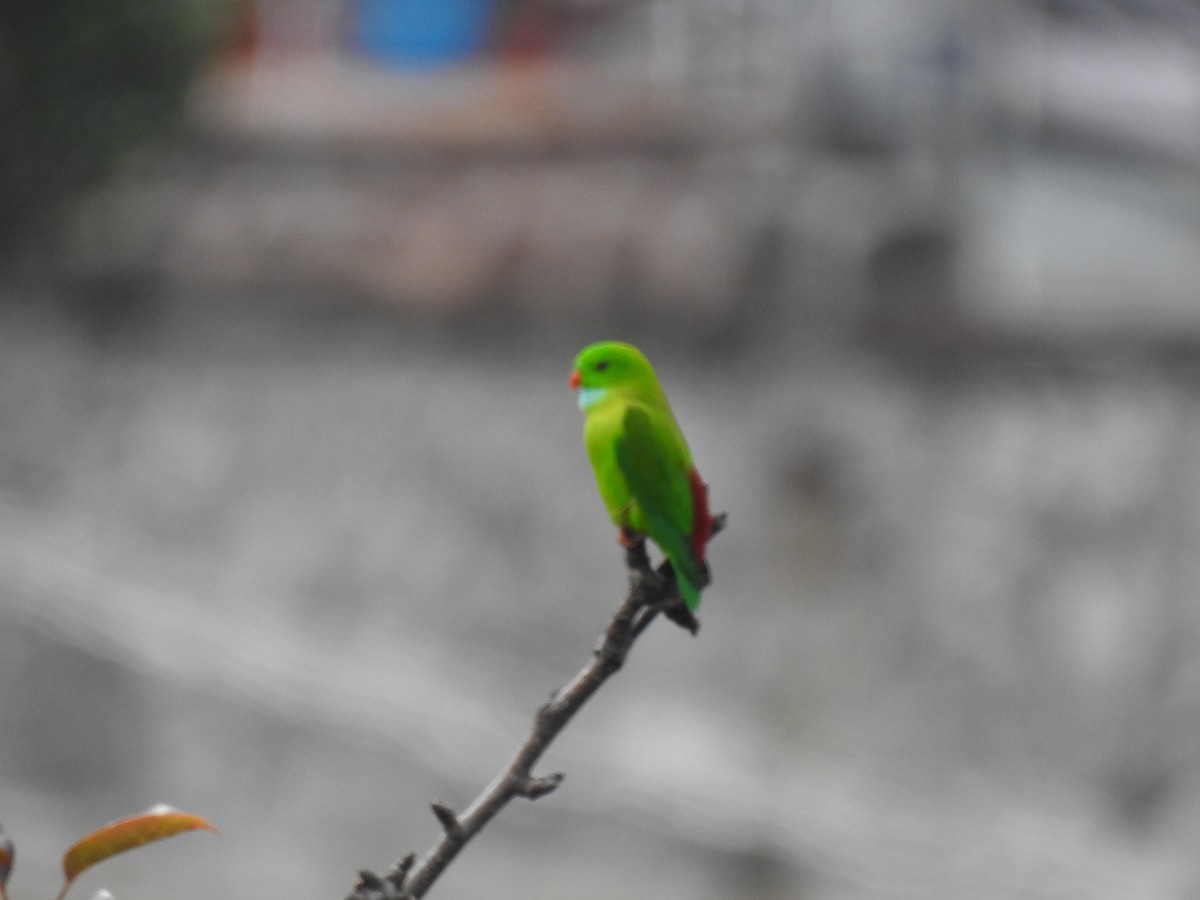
651,591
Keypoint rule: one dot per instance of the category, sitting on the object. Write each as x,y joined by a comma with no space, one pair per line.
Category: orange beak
576,379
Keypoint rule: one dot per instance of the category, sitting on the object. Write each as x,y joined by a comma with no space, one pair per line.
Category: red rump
702,522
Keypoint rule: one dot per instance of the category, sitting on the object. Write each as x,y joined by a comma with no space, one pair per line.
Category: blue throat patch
588,397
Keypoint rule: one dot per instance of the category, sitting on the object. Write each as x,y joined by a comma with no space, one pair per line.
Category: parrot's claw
635,553
649,584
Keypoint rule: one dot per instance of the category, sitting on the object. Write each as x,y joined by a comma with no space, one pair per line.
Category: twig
650,592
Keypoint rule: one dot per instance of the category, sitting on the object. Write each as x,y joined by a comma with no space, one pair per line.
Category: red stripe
701,518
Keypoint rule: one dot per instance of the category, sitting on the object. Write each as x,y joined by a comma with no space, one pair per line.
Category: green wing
655,465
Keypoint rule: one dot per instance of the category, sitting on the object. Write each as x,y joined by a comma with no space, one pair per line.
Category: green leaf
126,834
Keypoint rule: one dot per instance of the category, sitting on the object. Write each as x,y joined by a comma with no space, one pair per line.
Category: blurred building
1014,169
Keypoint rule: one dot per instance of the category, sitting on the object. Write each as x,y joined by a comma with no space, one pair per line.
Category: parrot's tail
688,590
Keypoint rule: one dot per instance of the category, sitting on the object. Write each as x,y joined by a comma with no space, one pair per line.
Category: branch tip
399,872
551,704
368,880
538,786
447,819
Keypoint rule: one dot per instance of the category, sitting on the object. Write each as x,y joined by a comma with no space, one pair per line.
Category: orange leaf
125,834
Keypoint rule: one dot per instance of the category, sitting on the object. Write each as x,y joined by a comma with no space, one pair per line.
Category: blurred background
296,528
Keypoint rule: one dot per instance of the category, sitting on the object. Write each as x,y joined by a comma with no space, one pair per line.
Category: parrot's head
610,366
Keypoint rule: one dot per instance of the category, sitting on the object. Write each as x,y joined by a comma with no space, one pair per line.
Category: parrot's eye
602,365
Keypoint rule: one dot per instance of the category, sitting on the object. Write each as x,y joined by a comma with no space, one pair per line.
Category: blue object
420,32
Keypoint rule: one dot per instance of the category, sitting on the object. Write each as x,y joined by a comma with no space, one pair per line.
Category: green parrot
642,463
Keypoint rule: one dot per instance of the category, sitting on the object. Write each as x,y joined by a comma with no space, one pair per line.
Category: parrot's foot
636,558
657,591
656,588
650,585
